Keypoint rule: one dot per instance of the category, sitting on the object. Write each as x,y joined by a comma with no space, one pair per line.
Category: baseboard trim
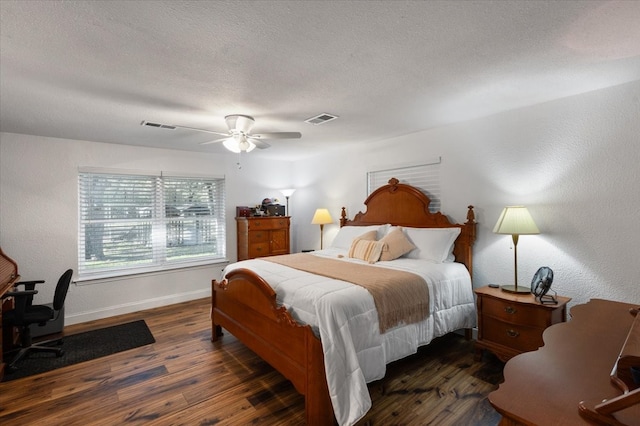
136,306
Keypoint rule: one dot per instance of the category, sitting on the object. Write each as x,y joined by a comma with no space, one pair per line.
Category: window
143,222
423,176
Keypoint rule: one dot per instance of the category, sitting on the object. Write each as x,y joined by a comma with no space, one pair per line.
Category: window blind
135,223
425,177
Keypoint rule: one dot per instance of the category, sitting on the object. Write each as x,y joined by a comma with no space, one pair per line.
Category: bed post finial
393,184
471,225
471,215
343,217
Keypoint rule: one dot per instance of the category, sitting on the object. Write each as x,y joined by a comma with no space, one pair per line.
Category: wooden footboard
245,305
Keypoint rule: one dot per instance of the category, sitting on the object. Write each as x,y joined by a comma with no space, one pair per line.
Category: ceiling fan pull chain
238,165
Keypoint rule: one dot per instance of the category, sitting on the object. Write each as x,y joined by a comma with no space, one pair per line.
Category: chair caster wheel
59,354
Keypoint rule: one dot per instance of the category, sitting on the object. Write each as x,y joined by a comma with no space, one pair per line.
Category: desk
544,387
8,277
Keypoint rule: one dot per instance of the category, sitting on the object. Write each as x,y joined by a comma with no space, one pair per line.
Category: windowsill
97,279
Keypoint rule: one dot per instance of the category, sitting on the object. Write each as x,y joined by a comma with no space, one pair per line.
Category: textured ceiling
93,70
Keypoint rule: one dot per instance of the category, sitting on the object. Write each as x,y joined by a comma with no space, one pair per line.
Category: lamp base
514,289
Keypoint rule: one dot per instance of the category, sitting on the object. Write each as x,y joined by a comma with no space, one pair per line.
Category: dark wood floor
185,379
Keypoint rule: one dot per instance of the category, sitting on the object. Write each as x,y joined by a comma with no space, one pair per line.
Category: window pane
194,215
132,221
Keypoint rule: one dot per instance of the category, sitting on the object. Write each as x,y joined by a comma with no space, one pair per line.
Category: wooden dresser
510,324
262,236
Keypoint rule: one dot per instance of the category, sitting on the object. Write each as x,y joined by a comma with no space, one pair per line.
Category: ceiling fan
239,137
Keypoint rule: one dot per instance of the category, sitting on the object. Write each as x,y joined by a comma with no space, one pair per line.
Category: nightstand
510,324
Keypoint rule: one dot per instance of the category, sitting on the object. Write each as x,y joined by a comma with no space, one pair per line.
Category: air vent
320,119
161,126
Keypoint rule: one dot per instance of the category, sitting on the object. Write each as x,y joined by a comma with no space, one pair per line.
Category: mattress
344,317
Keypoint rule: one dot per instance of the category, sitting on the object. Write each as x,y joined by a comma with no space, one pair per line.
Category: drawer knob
512,333
510,310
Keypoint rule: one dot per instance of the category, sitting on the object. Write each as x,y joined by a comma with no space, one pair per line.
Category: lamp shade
516,220
288,192
321,217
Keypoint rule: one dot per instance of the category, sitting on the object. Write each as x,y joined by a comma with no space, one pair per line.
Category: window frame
206,228
424,176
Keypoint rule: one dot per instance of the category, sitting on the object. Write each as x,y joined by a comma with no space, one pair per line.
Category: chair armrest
30,282
29,285
20,293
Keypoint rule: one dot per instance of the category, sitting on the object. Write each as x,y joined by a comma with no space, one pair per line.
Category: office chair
25,313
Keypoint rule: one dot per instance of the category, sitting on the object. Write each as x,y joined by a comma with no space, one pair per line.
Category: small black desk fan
541,284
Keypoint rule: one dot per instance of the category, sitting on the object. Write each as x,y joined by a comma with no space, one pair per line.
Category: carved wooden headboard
404,205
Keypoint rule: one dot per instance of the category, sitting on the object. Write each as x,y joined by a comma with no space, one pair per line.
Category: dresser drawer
269,223
258,250
514,312
259,236
519,337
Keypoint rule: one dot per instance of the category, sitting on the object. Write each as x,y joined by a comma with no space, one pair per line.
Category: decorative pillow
347,234
369,236
434,244
396,244
366,250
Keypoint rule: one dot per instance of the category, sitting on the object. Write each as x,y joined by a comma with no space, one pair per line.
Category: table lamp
287,193
321,217
515,221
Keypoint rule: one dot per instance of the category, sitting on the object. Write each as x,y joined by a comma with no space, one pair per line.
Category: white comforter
345,318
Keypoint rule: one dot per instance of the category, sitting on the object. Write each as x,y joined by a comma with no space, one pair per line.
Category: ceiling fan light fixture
240,123
246,145
239,144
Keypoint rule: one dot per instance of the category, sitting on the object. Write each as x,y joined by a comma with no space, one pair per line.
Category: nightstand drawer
510,323
514,336
514,312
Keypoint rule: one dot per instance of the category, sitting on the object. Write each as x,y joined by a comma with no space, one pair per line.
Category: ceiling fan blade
175,126
258,143
202,130
277,135
215,141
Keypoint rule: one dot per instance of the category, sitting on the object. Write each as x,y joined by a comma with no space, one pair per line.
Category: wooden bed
245,305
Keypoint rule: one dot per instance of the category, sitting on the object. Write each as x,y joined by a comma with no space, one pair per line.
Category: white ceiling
93,70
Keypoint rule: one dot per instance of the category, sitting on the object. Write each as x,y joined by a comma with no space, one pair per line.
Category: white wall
574,162
39,217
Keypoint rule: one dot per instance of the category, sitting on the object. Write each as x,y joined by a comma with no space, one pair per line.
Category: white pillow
347,234
434,244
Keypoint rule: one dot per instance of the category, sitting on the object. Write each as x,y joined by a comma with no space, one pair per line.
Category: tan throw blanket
399,296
